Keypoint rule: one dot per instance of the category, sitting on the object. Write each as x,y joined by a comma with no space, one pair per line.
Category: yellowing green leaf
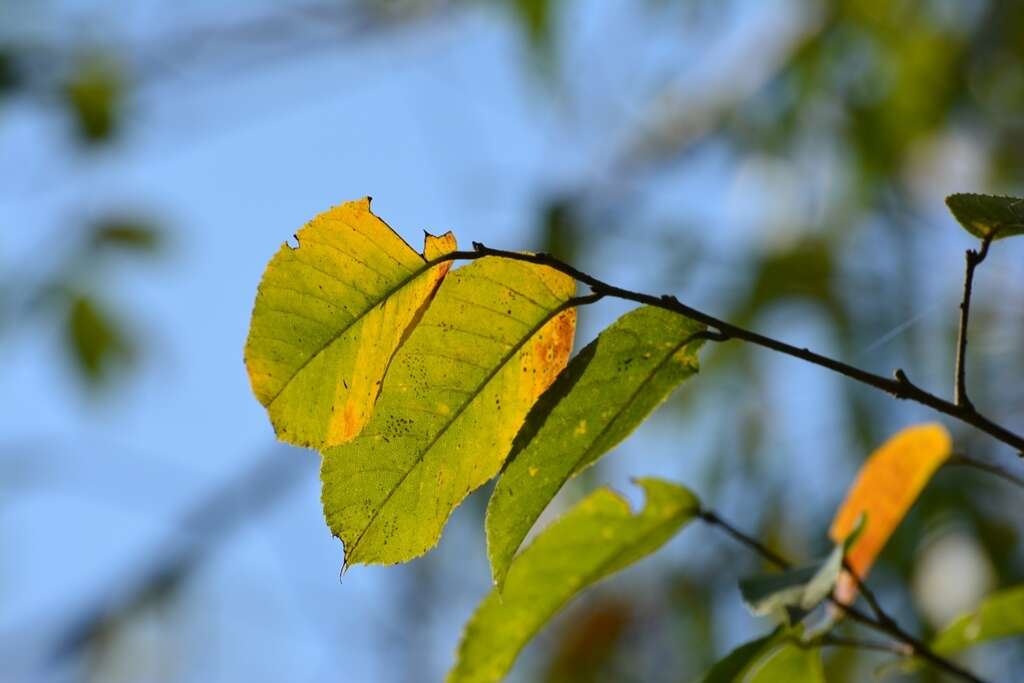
495,337
887,485
597,537
1001,615
608,389
776,658
982,214
328,318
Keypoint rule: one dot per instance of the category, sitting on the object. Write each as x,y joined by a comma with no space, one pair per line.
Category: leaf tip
436,246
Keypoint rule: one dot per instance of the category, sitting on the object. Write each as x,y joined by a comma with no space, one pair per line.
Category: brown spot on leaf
550,350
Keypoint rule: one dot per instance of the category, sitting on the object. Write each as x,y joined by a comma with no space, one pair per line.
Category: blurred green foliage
95,341
8,73
93,94
126,234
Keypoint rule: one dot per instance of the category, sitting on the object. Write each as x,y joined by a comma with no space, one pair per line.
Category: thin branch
869,595
882,622
764,551
964,460
899,385
898,649
973,259
212,518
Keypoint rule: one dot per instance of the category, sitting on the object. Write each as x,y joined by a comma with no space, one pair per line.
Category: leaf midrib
503,361
629,402
573,471
427,265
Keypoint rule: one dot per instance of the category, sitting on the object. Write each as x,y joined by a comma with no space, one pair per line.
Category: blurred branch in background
170,561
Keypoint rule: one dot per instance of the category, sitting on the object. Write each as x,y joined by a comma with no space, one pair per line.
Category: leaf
94,339
734,665
887,485
789,595
93,95
594,539
776,658
1001,615
982,214
125,234
458,390
328,318
608,389
10,76
536,19
588,643
790,663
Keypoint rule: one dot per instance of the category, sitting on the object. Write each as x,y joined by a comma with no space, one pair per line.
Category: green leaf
328,318
1001,615
776,658
608,389
982,214
125,234
458,390
790,663
94,339
10,76
597,537
93,95
734,665
788,595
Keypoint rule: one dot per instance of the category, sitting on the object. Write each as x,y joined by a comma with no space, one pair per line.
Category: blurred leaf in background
126,234
587,644
94,93
95,340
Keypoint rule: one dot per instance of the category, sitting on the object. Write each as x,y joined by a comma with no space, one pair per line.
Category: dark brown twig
899,385
968,461
898,649
764,551
973,259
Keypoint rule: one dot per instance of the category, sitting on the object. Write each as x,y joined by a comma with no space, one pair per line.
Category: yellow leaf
458,391
886,487
329,316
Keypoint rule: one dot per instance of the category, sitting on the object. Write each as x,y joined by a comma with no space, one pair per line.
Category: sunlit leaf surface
596,538
983,214
495,337
608,389
328,318
887,485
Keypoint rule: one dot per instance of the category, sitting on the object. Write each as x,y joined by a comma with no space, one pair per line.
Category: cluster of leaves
88,88
419,383
97,340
